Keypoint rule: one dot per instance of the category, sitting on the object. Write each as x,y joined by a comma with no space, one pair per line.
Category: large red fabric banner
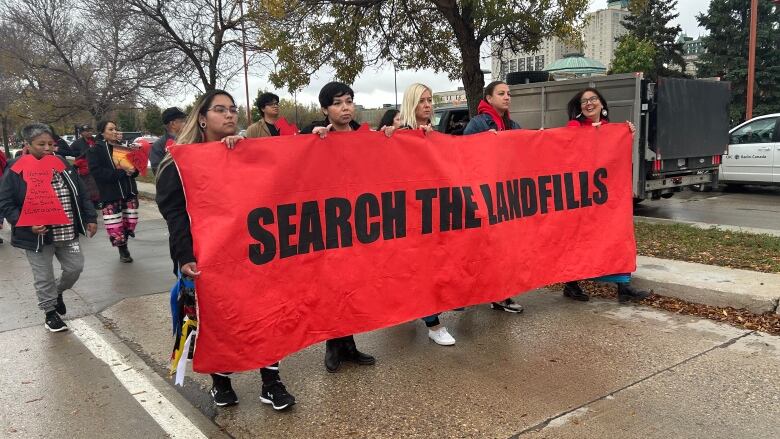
301,239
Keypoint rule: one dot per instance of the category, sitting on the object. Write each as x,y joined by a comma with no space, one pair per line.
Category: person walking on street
589,108
42,243
173,119
213,119
117,187
493,115
268,106
84,142
338,107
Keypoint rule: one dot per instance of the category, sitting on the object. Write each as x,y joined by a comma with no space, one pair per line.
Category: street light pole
751,59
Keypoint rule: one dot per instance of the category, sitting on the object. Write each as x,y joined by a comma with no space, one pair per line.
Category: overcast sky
374,88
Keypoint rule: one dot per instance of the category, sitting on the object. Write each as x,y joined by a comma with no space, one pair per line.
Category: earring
578,116
202,125
603,112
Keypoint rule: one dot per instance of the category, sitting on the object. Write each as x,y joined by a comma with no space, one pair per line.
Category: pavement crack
541,425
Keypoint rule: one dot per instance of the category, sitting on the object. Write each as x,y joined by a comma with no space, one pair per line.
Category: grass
713,246
148,178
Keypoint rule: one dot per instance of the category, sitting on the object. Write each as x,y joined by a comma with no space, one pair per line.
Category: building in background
575,65
692,50
600,33
450,98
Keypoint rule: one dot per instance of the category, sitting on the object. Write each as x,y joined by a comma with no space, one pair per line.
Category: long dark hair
575,107
101,126
489,92
387,118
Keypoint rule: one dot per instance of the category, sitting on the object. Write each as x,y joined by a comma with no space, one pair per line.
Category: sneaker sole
64,328
223,404
271,403
502,308
443,343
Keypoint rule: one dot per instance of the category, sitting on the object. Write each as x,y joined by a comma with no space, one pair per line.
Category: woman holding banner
589,108
416,112
493,116
336,103
212,120
115,179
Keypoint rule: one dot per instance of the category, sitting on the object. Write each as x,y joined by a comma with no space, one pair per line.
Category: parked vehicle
450,120
682,124
754,152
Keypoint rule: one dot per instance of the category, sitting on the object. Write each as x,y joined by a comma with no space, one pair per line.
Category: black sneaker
573,291
507,305
276,395
54,323
222,392
60,307
124,254
626,292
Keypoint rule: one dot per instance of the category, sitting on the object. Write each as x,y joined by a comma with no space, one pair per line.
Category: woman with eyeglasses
115,179
213,119
589,108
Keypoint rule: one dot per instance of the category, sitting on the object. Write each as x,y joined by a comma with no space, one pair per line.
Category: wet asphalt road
748,206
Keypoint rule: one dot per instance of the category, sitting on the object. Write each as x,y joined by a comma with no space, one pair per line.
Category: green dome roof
576,63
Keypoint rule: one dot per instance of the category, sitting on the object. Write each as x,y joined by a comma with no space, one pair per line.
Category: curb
709,285
730,228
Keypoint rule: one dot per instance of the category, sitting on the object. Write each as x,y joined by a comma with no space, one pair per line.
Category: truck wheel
701,188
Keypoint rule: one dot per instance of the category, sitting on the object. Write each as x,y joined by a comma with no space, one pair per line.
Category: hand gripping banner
301,239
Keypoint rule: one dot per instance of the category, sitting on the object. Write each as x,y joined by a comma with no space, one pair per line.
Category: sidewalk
698,283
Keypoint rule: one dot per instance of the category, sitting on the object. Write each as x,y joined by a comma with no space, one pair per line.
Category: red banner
301,239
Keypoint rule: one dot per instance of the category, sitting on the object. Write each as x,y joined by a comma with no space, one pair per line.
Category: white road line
163,411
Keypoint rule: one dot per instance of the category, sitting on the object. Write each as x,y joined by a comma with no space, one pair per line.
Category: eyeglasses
590,100
221,109
272,104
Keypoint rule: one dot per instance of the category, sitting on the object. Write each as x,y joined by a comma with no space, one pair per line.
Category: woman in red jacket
589,108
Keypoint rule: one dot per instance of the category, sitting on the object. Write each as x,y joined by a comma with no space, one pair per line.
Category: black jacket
79,147
12,191
323,123
113,184
63,149
173,207
158,151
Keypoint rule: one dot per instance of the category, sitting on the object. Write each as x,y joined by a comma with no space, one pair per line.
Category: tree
649,21
79,55
726,53
207,33
633,55
443,35
153,120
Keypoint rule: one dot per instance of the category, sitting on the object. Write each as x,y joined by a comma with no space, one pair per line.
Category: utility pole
751,59
246,68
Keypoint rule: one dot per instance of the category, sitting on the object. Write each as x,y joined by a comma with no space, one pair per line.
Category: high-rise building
601,30
692,49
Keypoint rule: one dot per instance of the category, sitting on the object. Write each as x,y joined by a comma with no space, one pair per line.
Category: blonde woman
416,109
213,119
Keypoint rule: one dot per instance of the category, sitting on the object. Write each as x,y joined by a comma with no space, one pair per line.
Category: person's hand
231,141
190,269
322,131
40,230
493,131
388,130
91,229
426,128
631,127
130,172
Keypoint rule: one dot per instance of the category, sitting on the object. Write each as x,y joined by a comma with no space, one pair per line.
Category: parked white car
754,152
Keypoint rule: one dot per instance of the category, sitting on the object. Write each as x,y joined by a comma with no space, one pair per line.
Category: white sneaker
441,336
